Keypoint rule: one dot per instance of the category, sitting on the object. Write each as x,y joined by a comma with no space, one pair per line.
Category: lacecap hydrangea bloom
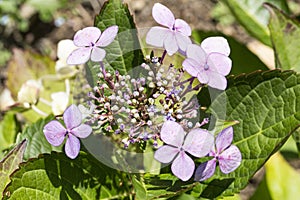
55,132
209,62
172,38
89,40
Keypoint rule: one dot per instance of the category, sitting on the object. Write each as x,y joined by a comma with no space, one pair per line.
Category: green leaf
37,142
267,106
55,176
139,188
8,131
282,180
253,17
10,163
125,52
285,36
247,63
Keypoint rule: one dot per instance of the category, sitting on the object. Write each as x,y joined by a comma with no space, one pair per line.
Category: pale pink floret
55,132
198,143
228,156
173,38
89,40
209,62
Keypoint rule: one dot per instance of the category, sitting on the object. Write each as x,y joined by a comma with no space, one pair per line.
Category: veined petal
183,166
172,133
87,36
108,36
72,146
156,36
224,139
170,43
216,44
191,66
165,153
79,56
203,76
221,63
54,132
72,117
198,142
82,131
183,27
230,159
98,54
205,170
163,15
197,53
216,80
182,41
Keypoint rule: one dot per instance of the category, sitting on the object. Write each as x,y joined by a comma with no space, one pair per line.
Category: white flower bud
29,92
59,102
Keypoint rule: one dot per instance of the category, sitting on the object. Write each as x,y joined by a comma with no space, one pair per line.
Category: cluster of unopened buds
155,104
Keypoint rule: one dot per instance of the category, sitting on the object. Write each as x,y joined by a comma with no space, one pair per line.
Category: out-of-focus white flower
6,99
29,92
59,102
86,111
64,49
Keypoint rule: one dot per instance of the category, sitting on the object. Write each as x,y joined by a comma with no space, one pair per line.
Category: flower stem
38,111
67,83
44,101
163,57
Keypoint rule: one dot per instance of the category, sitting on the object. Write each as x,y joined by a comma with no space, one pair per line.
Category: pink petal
205,170
216,80
108,36
79,56
191,66
170,44
87,36
172,133
221,63
197,53
230,159
72,117
54,132
165,153
224,139
183,166
182,41
183,27
198,142
98,54
156,36
82,131
216,44
163,15
72,146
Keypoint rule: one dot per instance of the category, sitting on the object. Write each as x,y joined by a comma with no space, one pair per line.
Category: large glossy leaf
254,17
55,176
10,163
125,52
267,106
37,143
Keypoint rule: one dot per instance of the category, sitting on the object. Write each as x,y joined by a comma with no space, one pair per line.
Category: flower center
206,66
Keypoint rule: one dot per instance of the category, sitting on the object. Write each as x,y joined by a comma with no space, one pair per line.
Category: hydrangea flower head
228,156
209,62
89,40
55,132
197,142
173,38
